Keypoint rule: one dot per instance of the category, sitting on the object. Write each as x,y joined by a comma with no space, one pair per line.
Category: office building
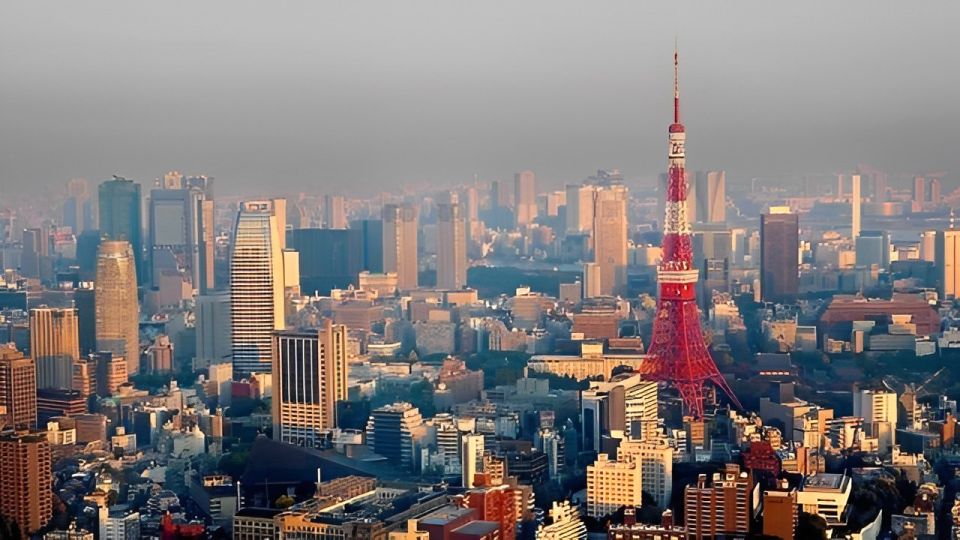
26,495
471,457
655,457
309,379
400,244
780,513
855,206
612,484
525,197
77,208
120,218
610,238
371,243
710,197
624,406
88,245
117,309
334,212
181,232
256,286
451,247
878,408
329,258
826,495
873,249
391,431
721,508
946,259
212,323
110,372
18,388
779,255
579,209
34,244
54,345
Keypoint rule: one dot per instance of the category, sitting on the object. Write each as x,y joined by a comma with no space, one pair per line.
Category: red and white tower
678,350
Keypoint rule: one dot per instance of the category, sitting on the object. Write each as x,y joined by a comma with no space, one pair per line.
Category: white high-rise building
612,484
256,286
878,408
471,454
655,457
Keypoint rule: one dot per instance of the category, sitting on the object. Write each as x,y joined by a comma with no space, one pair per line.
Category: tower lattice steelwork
678,350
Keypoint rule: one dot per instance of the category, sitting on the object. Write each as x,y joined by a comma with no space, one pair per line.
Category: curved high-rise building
117,310
256,286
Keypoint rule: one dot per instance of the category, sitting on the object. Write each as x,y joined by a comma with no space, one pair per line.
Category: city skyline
509,88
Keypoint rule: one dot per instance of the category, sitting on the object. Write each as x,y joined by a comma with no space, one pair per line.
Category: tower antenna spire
676,84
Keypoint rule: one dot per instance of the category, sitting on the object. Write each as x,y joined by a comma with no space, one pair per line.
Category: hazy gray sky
339,96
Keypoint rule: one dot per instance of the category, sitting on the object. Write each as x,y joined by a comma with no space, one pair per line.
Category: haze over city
479,271
369,96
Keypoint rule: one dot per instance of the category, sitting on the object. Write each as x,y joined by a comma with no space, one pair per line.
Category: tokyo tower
678,350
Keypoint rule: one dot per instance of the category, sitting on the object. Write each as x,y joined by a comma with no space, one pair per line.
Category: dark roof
478,528
265,513
280,463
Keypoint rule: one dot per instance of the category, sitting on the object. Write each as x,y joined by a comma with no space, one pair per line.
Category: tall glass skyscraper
120,217
117,310
256,286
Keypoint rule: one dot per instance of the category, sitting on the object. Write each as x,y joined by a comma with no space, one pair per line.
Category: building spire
676,84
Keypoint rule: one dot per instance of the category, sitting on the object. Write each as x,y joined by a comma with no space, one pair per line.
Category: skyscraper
610,237
310,378
855,206
18,388
117,310
329,258
181,233
525,197
400,244
256,286
873,248
579,208
77,210
334,212
779,255
371,243
947,262
212,316
451,247
26,491
54,345
711,197
120,217
391,431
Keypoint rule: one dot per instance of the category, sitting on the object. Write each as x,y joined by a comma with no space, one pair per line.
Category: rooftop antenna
676,83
